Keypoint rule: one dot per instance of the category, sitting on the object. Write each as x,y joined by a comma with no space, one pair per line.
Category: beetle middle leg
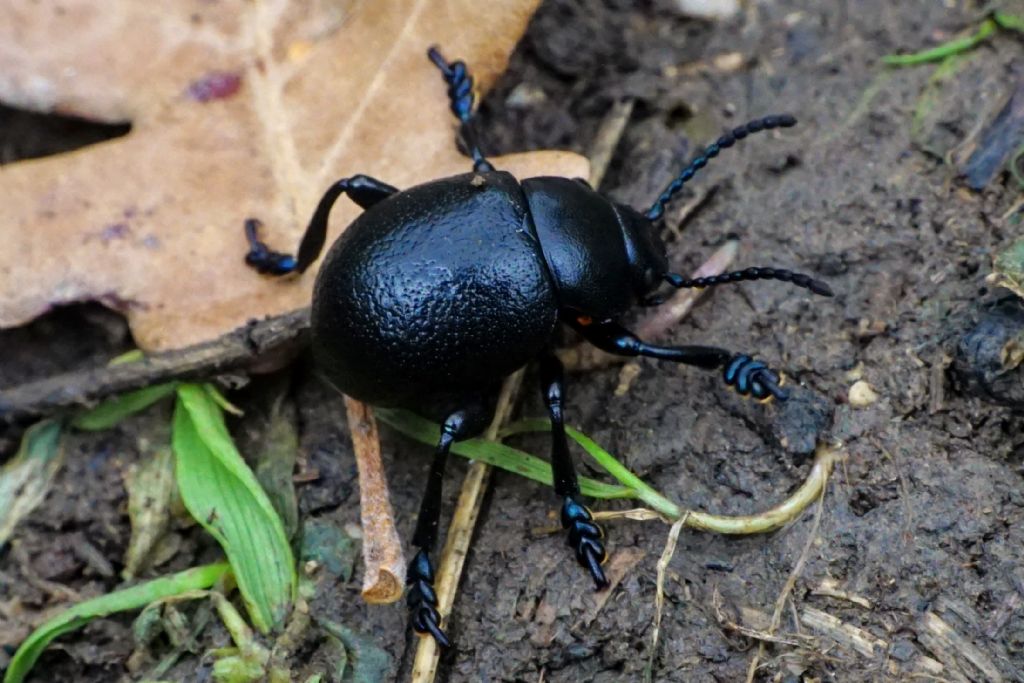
363,190
749,377
584,534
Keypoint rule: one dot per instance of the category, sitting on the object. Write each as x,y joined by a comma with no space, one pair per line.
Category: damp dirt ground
911,569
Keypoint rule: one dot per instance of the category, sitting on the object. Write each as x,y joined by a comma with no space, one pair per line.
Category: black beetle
436,293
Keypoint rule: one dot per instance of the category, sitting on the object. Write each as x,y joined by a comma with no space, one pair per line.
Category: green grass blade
947,49
1011,22
493,453
133,356
135,597
221,400
110,412
606,460
222,494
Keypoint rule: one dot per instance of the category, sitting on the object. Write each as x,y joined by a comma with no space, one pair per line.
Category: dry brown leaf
237,110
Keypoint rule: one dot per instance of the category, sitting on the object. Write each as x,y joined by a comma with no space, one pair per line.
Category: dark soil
922,519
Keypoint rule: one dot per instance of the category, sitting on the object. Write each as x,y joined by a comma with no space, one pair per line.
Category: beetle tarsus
461,99
750,377
422,599
585,539
261,257
363,190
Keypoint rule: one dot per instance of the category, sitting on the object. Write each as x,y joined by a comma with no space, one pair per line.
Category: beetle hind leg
421,598
585,536
363,190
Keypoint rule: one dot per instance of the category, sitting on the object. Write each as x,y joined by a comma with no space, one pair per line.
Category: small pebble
629,372
708,9
861,394
524,96
855,373
730,61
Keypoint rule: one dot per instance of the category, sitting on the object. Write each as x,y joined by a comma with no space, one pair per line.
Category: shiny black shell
432,296
584,245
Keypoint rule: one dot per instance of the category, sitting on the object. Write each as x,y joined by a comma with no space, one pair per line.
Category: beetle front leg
749,377
363,190
584,534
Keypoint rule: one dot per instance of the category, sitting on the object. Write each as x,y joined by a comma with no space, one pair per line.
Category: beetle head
645,250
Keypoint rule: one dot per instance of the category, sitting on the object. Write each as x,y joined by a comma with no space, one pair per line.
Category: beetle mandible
436,293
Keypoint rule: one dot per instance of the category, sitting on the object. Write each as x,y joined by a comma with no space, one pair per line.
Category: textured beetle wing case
440,286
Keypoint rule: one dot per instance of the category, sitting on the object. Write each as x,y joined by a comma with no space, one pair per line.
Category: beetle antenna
712,150
460,95
798,279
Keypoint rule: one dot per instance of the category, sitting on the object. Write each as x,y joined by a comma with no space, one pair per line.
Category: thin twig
681,303
681,217
384,578
243,348
755,625
453,557
659,595
829,587
635,514
607,139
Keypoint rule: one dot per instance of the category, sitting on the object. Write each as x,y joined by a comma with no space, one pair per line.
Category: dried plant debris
1000,141
151,487
988,356
384,575
1008,268
26,478
708,9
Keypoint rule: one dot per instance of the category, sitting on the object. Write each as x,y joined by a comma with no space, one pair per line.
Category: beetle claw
426,620
422,599
260,257
585,539
754,378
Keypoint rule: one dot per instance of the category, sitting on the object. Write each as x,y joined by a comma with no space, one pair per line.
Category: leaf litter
227,145
233,114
